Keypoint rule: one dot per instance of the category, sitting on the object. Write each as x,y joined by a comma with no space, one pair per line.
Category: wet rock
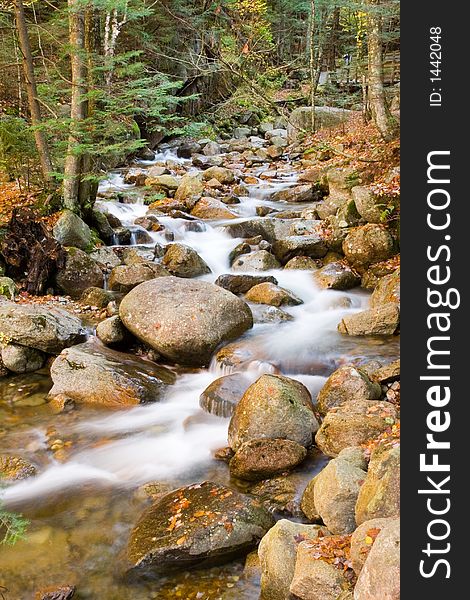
368,244
337,276
303,263
8,288
126,277
368,205
223,394
260,260
106,258
65,592
196,526
205,162
362,540
100,222
164,183
136,254
301,193
277,552
15,468
93,374
212,209
273,407
157,171
335,493
184,320
312,246
20,359
111,331
353,424
149,222
240,284
47,329
269,293
183,261
386,291
380,494
71,230
278,494
94,296
190,186
269,314
122,236
222,175
260,459
79,273
187,149
315,579
376,321
380,575
345,384
387,373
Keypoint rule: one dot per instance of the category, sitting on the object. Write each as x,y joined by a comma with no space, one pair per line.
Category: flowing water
84,501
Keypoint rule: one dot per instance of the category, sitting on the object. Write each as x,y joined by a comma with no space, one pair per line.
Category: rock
165,183
335,494
353,424
126,277
71,230
279,142
241,132
240,284
111,331
311,175
269,293
337,276
273,407
184,320
316,579
367,245
380,575
261,260
20,359
325,117
312,246
362,540
15,468
301,193
64,592
157,171
303,263
368,205
106,258
372,276
274,151
47,329
149,222
183,261
187,149
380,495
98,297
387,290
122,236
223,394
100,222
93,374
307,502
213,209
260,459
212,149
8,288
376,321
79,273
269,314
387,373
195,526
278,494
277,553
264,127
190,186
222,175
345,384
205,162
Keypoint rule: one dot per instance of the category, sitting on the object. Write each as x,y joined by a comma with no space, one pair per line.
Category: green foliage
12,527
18,156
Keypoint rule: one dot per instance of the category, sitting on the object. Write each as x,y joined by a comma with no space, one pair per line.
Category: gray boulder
79,273
20,359
71,230
183,261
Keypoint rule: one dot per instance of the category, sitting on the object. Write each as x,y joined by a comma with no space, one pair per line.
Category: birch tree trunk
32,92
78,109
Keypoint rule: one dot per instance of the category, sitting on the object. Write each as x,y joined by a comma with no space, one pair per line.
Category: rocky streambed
239,369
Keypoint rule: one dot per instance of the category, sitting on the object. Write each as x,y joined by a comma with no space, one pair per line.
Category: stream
82,507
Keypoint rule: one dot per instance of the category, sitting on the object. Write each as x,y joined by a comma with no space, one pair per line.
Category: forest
199,299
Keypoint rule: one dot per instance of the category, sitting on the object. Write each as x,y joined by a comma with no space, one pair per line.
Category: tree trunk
312,61
78,109
31,88
377,100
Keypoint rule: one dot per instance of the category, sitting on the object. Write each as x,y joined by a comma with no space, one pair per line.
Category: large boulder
71,230
277,553
362,540
21,359
47,329
79,273
164,183
195,526
261,260
93,374
380,494
368,205
261,459
223,175
336,490
183,261
300,193
269,293
212,209
353,424
387,291
312,245
368,244
124,278
240,284
337,276
345,384
222,395
383,320
274,407
380,575
190,186
184,320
